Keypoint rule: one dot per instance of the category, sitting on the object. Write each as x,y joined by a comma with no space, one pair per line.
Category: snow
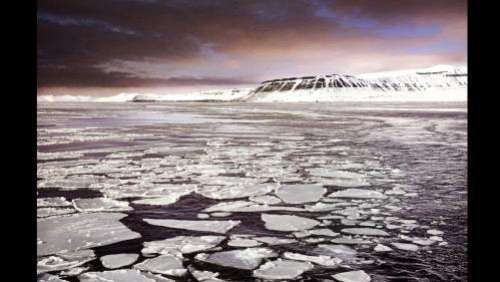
352,276
298,194
282,269
81,231
215,226
287,222
358,193
118,260
247,259
365,231
163,264
182,244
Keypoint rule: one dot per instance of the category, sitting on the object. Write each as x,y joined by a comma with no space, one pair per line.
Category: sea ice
49,278
335,250
315,232
118,260
288,222
182,244
236,191
81,231
266,200
63,262
358,193
435,232
163,264
122,275
216,226
100,205
243,242
365,231
352,276
405,247
339,178
247,259
275,240
300,193
321,260
382,248
52,202
48,212
350,241
282,269
245,206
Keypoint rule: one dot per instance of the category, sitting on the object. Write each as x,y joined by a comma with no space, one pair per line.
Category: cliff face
418,80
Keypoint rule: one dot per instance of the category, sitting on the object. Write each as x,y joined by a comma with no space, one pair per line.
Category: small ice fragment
163,264
118,260
282,269
288,222
321,260
405,246
435,232
382,248
247,259
100,204
352,276
300,193
365,231
241,242
358,193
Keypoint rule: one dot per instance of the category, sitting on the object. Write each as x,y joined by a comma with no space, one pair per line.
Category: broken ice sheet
81,231
216,226
164,264
48,212
282,269
247,259
100,205
338,177
365,231
182,244
52,202
288,222
300,193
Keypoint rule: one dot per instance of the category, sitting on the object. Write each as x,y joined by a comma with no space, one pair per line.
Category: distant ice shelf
437,83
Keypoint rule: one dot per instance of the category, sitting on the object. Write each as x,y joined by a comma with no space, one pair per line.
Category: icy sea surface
252,192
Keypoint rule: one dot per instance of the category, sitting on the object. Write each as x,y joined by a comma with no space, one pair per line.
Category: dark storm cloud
216,42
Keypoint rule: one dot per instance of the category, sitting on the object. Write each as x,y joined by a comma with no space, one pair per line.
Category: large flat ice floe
81,231
215,226
122,275
352,276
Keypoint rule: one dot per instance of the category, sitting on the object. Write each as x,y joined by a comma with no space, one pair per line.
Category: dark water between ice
421,146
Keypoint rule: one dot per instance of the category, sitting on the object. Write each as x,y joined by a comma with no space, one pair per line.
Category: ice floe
100,205
321,260
282,269
358,193
182,244
382,248
275,240
121,275
163,264
365,231
243,242
118,260
352,276
245,206
405,246
247,259
52,202
300,193
288,222
79,231
64,261
235,192
216,226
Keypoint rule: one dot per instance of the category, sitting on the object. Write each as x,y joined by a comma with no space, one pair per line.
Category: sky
105,47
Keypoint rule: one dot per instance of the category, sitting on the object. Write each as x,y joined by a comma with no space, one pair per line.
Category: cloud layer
177,43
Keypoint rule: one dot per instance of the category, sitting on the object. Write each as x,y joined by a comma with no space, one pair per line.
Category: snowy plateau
437,83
